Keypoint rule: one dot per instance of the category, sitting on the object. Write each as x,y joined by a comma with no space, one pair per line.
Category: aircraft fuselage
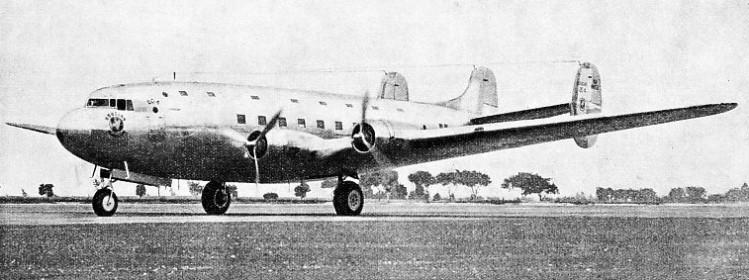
176,130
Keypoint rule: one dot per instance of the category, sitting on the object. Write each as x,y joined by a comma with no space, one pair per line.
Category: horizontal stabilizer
532,114
33,127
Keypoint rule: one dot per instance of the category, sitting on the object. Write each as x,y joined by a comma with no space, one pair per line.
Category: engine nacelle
369,135
586,98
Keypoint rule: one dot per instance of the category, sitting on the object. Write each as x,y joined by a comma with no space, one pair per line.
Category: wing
33,127
417,146
532,114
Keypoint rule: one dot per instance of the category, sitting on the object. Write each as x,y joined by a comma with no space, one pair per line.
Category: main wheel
216,198
348,199
104,203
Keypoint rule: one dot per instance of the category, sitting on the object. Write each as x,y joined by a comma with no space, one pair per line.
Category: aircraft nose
74,127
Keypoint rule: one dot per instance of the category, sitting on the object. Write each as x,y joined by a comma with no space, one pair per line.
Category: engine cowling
586,98
374,133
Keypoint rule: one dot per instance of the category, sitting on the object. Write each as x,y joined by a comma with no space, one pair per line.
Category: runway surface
75,213
388,241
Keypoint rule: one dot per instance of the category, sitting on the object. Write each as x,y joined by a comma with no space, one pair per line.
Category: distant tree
232,189
270,196
422,180
140,190
531,184
437,197
23,193
445,179
387,179
738,194
695,194
46,190
473,180
399,191
604,194
301,190
329,183
648,196
677,195
195,188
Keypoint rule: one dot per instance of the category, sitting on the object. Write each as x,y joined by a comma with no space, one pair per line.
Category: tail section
481,92
586,98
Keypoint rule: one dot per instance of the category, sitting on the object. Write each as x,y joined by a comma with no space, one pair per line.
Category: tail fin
586,98
481,91
394,86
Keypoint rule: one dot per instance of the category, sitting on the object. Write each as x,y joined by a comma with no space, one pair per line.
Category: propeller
261,140
363,137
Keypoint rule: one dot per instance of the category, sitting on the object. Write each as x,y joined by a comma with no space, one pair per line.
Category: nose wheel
105,202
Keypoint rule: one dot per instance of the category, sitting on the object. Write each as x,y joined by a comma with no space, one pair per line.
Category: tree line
690,194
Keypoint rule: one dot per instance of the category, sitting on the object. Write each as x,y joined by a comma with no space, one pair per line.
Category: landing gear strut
216,198
348,199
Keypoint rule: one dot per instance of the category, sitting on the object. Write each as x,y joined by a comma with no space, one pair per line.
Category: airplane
153,132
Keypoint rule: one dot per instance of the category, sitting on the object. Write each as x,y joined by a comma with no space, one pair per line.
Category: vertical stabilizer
481,91
394,86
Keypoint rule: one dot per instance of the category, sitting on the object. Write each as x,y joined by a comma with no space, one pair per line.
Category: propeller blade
364,105
257,167
271,124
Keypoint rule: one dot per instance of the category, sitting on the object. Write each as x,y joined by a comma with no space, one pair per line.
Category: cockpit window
119,104
95,102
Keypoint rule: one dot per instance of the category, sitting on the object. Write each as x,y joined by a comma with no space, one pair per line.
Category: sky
651,55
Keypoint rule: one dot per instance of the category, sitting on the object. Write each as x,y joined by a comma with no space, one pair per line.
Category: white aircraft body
153,132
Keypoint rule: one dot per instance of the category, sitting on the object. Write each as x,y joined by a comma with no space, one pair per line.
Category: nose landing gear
105,201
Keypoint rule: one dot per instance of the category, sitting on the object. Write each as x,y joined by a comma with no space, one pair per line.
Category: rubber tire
341,197
211,192
98,203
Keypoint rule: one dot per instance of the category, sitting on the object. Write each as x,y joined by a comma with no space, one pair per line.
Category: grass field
503,248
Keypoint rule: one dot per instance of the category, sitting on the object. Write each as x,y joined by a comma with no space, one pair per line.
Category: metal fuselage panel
178,135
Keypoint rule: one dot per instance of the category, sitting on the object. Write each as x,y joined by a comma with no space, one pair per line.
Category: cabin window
121,104
255,97
164,94
113,103
241,119
294,100
98,102
320,124
440,125
338,126
183,93
211,94
323,103
129,105
302,123
424,127
349,105
282,122
261,120
445,125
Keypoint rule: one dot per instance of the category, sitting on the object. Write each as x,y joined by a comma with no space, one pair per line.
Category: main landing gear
348,199
216,198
